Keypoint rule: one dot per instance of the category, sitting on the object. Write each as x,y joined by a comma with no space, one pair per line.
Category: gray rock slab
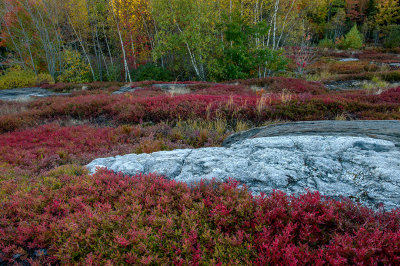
383,129
349,60
362,168
174,88
126,89
25,94
343,85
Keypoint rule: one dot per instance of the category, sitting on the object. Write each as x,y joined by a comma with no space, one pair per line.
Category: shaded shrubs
392,39
152,72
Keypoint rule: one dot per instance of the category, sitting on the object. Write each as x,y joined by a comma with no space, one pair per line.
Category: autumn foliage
53,212
255,101
109,218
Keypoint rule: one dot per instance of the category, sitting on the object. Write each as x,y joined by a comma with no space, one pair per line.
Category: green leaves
244,55
74,69
353,39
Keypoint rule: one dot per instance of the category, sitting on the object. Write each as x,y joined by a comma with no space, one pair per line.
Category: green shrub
353,39
326,43
392,76
16,77
114,73
392,39
152,72
75,70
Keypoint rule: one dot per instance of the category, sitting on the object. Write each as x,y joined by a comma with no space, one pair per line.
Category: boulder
363,168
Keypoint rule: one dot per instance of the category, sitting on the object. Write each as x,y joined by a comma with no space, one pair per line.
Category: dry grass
285,96
7,108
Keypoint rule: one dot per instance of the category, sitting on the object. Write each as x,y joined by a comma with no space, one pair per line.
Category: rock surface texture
362,162
126,89
25,94
174,88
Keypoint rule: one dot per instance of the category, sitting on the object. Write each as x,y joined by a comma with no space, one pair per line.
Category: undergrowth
53,212
73,217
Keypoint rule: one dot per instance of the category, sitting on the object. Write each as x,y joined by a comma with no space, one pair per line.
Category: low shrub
388,96
98,85
223,89
45,147
69,217
278,84
351,67
8,107
326,43
376,56
389,76
375,83
60,87
16,77
237,102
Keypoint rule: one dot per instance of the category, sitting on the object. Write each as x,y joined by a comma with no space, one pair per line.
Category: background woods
109,40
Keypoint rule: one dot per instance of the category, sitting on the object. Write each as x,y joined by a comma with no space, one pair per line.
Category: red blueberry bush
45,147
53,212
236,103
278,84
114,219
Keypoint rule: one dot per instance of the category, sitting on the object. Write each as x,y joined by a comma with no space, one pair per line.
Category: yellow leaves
131,13
78,14
388,12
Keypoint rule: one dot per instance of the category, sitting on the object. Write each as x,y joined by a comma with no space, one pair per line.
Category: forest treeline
108,40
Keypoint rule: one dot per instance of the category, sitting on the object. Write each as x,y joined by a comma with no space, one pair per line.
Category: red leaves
389,96
117,219
43,148
109,218
277,98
